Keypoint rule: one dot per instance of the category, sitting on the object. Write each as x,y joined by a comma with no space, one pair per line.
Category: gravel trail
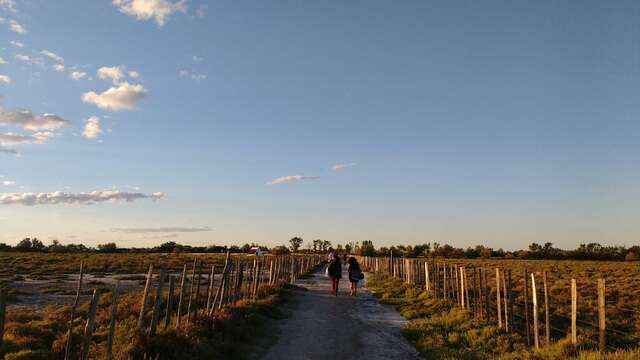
323,326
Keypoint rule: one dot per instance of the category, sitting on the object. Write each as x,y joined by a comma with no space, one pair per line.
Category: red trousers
334,286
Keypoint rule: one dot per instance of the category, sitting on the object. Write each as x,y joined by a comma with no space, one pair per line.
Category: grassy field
39,332
622,294
440,331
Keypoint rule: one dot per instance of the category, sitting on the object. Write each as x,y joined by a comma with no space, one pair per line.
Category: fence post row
449,281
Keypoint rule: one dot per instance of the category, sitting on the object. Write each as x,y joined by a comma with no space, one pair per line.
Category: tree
108,247
295,243
326,244
4,247
37,245
24,245
280,250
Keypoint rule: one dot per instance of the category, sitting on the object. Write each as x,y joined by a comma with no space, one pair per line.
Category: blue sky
497,123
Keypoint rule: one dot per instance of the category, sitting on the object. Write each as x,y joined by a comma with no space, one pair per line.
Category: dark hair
353,262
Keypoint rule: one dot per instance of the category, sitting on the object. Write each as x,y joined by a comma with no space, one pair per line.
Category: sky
223,122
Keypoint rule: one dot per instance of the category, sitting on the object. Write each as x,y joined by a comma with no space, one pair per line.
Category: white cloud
162,230
77,75
15,139
16,43
291,178
115,73
183,73
197,58
9,5
29,121
5,79
340,167
92,128
61,197
134,74
123,97
159,10
52,56
8,183
17,27
28,59
2,61
198,77
58,67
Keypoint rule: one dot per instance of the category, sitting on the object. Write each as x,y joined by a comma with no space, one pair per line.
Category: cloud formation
8,5
52,56
159,10
8,183
30,121
16,43
340,167
77,75
5,79
291,178
162,230
92,128
61,197
17,27
4,150
16,139
124,96
115,73
58,67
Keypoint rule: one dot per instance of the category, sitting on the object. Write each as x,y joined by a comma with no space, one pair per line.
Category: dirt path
327,327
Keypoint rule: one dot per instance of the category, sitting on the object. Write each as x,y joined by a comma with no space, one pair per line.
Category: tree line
590,251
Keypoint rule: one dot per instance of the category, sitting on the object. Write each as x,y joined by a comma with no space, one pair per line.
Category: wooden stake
505,296
67,353
91,322
145,294
157,307
210,287
169,310
574,312
498,301
191,285
112,321
182,285
534,298
602,320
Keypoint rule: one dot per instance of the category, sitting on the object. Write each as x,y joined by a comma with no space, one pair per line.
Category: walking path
323,326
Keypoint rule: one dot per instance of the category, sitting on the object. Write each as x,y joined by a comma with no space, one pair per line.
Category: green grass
440,331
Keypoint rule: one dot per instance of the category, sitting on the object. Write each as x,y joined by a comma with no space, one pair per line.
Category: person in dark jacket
355,274
335,273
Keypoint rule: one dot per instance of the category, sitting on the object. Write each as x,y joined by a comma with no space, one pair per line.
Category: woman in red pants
335,273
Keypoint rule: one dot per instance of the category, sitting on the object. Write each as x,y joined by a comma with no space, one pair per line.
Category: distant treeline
591,251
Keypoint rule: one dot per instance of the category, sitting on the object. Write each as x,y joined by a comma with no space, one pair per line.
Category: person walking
335,273
355,275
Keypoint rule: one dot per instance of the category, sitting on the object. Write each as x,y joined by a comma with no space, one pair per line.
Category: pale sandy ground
322,326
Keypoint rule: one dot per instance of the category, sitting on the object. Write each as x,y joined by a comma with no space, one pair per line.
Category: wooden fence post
157,307
547,325
112,321
91,322
197,297
505,301
602,320
534,298
498,300
210,287
145,294
574,312
169,310
526,307
181,297
67,353
191,285
426,276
